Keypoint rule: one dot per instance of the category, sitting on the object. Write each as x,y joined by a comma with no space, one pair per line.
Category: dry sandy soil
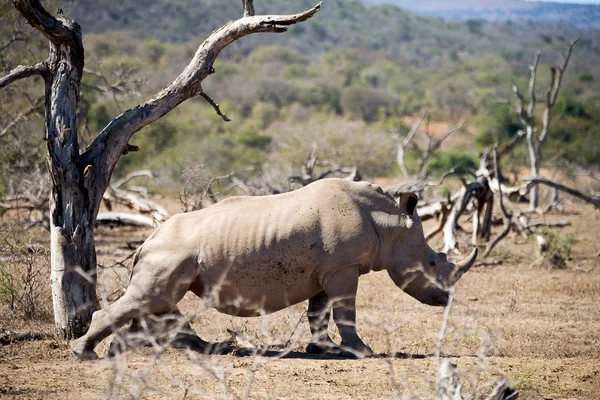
539,328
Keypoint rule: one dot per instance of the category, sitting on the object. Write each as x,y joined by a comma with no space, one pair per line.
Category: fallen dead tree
134,198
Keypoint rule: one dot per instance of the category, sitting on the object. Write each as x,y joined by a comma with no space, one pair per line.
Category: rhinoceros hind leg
165,329
145,295
318,318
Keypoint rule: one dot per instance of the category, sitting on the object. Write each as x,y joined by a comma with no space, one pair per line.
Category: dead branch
449,229
119,218
507,217
215,106
133,175
510,146
23,71
445,210
9,337
308,170
594,200
556,224
402,143
424,154
503,391
135,202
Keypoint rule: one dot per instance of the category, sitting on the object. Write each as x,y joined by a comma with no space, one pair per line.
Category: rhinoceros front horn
464,265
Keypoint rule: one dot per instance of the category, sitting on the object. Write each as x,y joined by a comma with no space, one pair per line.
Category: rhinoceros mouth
463,266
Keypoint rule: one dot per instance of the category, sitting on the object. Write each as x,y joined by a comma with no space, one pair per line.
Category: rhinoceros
256,255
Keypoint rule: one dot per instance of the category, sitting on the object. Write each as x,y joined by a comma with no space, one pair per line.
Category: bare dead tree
424,153
79,179
527,119
134,197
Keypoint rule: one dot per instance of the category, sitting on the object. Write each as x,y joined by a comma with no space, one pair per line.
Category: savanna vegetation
337,80
346,85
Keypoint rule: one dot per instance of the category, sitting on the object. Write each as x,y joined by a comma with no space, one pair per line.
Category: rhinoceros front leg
341,288
318,318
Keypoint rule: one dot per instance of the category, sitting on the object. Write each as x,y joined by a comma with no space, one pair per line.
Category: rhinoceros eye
432,263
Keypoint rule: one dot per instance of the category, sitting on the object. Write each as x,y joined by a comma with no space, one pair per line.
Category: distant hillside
420,40
582,15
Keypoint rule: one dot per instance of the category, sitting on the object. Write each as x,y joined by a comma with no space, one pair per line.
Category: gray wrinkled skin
249,256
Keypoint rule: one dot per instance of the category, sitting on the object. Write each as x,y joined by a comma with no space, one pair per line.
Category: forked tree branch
553,90
525,116
108,146
402,143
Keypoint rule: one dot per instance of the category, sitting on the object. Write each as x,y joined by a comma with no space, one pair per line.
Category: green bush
249,137
496,124
461,160
568,106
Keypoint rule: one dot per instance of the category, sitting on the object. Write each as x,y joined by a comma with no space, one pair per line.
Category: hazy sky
573,1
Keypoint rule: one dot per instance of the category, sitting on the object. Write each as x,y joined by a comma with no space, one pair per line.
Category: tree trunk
73,253
73,277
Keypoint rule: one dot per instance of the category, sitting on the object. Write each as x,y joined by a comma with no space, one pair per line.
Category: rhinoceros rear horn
408,202
464,265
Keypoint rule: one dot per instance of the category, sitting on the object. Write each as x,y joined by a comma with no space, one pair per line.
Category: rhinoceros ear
408,202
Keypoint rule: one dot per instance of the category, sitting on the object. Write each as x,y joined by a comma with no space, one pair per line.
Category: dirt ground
537,327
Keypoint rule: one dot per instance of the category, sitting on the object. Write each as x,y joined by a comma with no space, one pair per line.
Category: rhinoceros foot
328,347
82,352
219,348
339,351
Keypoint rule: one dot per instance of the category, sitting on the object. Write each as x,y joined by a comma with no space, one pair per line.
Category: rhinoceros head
416,268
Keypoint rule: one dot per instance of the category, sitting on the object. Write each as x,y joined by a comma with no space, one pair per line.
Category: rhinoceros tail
136,258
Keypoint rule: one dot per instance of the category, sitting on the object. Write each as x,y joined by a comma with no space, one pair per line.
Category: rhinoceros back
262,254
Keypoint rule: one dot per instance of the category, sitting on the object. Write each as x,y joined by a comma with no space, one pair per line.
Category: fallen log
120,218
9,337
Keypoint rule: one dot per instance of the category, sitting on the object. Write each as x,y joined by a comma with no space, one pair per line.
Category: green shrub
496,124
461,160
249,137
